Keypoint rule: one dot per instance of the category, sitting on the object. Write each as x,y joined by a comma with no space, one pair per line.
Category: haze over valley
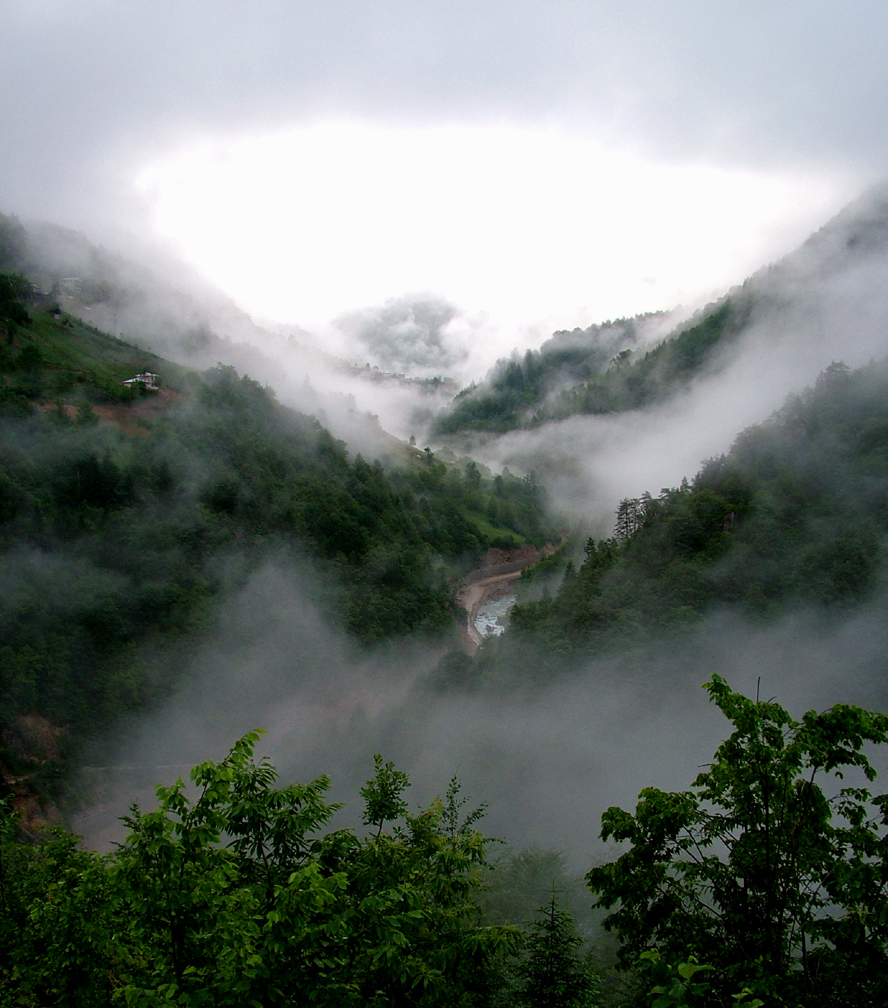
449,394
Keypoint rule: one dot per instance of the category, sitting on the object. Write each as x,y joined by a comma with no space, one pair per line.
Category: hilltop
629,364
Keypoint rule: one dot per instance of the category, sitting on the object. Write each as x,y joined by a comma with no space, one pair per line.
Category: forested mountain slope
151,299
602,369
796,514
127,516
624,365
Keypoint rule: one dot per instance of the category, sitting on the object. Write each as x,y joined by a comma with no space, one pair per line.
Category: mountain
139,496
129,513
584,370
630,364
793,518
163,306
155,301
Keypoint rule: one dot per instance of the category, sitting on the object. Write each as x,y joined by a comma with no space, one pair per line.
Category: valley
189,558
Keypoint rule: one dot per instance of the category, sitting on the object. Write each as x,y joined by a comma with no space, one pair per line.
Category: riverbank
501,570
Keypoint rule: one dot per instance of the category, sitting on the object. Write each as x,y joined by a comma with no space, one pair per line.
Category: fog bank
548,758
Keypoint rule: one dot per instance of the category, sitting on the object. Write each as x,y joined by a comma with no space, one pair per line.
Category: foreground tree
238,897
768,869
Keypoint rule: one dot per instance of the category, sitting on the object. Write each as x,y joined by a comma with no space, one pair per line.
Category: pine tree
629,518
553,975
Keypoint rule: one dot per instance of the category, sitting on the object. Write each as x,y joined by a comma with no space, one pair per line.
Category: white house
146,378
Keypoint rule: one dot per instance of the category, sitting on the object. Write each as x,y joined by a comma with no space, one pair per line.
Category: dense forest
795,514
763,884
127,514
601,369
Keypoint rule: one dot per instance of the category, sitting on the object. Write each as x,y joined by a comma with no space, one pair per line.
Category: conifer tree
629,518
554,975
12,312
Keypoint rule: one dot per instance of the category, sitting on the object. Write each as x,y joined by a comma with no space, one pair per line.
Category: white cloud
527,225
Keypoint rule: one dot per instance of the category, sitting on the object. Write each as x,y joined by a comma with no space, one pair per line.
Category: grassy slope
67,361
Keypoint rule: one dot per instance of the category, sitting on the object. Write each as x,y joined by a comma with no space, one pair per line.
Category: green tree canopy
769,869
237,896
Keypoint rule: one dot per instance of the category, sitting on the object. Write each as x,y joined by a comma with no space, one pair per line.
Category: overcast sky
566,159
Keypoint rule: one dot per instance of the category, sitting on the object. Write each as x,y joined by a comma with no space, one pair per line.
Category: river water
492,616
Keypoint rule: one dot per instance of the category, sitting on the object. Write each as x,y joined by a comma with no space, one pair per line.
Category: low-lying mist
547,757
823,302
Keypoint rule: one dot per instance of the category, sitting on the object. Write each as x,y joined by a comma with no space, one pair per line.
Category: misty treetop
121,538
13,245
795,514
552,971
407,333
602,369
13,289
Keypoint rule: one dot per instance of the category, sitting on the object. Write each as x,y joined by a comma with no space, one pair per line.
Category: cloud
524,225
825,302
409,333
92,93
90,90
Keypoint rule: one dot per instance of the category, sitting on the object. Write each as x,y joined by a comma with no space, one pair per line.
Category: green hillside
127,517
597,370
795,512
48,356
615,366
